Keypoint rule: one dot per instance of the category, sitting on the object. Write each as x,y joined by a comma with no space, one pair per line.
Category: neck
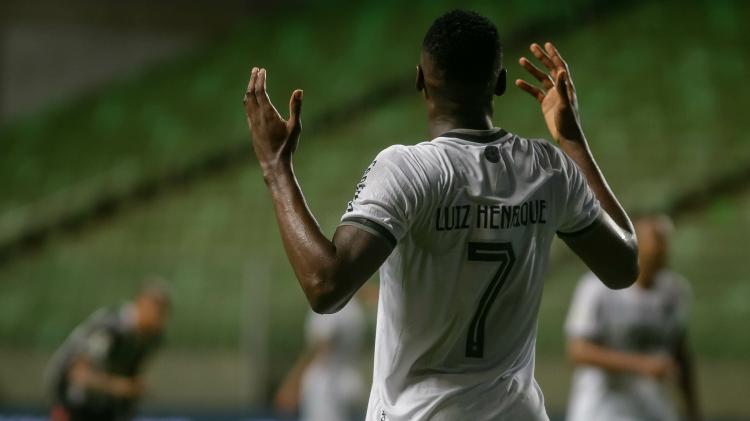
443,117
646,280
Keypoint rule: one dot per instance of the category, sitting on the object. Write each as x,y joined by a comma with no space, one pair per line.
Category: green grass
660,106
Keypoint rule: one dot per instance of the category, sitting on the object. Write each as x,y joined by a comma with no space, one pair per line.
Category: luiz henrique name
448,218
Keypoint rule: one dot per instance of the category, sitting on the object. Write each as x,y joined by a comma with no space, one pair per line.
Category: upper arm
359,254
606,249
378,217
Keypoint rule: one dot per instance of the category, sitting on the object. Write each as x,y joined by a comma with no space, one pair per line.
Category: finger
531,89
555,56
260,86
543,57
562,85
249,100
261,93
538,74
570,89
295,108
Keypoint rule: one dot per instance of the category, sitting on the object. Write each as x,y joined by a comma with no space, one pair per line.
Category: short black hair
465,46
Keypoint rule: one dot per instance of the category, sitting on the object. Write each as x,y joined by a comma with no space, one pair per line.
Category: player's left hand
274,139
557,96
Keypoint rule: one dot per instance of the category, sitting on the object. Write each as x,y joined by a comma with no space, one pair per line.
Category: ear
502,79
419,83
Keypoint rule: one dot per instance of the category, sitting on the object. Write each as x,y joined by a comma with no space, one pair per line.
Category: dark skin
331,271
451,106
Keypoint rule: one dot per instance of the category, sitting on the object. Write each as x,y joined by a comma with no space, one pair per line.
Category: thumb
562,85
295,108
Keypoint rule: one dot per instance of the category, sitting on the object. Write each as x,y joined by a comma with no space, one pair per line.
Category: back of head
152,304
463,52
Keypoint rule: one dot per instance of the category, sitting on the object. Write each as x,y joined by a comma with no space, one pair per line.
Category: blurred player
462,226
625,344
325,383
96,373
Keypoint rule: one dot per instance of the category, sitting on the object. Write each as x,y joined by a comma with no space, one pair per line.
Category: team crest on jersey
360,186
492,153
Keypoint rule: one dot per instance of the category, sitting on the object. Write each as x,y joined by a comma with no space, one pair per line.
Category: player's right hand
274,139
557,96
129,388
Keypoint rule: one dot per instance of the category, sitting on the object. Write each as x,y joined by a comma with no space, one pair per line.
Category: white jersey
332,386
472,215
636,319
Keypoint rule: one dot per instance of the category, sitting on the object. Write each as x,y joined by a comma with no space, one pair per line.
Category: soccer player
325,383
460,227
625,344
95,375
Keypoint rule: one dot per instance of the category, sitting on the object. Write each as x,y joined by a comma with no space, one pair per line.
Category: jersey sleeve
97,344
95,338
584,316
387,197
579,205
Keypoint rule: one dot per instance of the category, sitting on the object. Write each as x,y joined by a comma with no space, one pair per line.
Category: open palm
274,139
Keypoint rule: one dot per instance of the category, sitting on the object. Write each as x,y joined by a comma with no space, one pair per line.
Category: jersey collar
477,136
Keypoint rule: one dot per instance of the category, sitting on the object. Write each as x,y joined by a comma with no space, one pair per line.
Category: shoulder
410,163
105,318
99,329
537,146
674,284
394,157
551,155
542,153
407,154
393,152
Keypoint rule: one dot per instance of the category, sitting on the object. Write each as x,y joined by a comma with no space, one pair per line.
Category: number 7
487,252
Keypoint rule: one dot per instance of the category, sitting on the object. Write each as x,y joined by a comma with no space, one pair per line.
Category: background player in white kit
326,383
462,226
626,343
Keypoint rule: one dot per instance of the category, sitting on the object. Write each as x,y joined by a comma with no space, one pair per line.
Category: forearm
588,353
85,376
579,151
311,254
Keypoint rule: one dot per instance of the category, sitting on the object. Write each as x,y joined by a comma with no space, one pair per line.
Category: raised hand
557,96
274,139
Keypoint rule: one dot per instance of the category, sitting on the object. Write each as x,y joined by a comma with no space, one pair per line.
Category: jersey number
487,252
